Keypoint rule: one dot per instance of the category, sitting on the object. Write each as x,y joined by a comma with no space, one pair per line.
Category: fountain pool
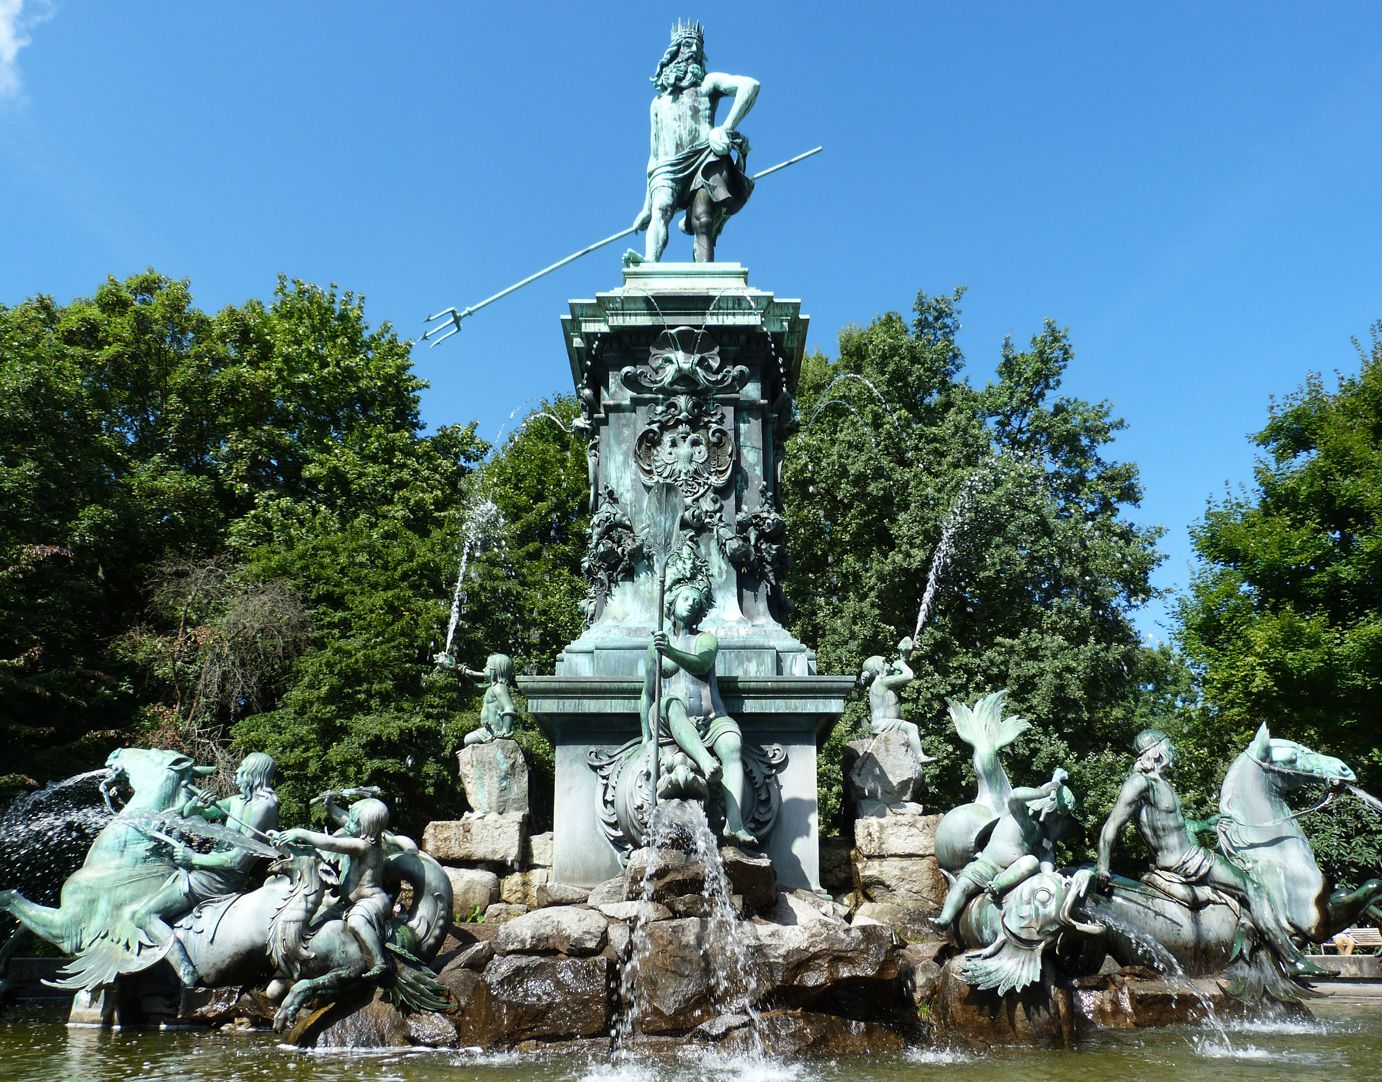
1339,1045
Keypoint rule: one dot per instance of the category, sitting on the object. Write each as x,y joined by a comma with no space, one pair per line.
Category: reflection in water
1339,1045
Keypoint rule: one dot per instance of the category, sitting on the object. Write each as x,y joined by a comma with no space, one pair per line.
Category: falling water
45,834
1366,797
681,824
483,519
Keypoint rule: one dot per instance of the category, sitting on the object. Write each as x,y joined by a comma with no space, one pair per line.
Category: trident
453,315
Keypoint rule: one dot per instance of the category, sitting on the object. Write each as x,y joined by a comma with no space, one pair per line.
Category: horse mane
287,926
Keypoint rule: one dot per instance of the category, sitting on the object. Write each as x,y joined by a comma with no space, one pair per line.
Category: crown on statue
692,30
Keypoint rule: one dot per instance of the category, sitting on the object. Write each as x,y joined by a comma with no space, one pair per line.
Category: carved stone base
495,777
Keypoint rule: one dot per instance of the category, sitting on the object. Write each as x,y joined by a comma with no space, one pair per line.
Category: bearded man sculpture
694,164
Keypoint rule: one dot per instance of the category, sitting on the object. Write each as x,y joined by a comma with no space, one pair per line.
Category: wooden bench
1352,939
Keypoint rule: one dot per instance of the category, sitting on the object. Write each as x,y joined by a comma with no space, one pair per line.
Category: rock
908,921
354,1021
804,962
675,985
475,957
752,875
881,772
550,893
542,999
557,930
924,971
797,1033
698,905
669,873
495,778
631,912
472,890
1041,1015
803,907
431,1030
502,912
909,881
611,890
521,888
896,835
539,854
477,839
837,873
1135,997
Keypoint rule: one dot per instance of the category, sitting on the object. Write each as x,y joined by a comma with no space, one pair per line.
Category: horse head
155,776
1295,764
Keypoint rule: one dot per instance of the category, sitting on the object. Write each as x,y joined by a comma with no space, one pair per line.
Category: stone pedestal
895,862
494,776
477,839
687,358
882,775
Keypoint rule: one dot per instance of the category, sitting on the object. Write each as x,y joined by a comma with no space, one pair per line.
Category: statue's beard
681,75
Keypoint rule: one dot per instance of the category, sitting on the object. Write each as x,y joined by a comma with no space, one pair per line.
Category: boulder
502,912
472,889
751,875
477,839
674,988
922,964
556,930
611,890
431,1030
1041,1015
550,893
1133,997
667,873
882,774
803,963
495,778
803,907
521,888
474,957
547,998
909,881
359,1019
896,835
910,922
635,912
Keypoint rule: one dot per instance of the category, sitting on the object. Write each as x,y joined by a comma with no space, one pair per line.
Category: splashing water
681,824
44,834
481,524
860,379
1366,797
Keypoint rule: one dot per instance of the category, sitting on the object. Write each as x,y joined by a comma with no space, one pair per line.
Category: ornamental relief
685,443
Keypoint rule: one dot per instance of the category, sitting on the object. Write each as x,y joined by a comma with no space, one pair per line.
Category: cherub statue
1021,844
497,712
360,839
885,679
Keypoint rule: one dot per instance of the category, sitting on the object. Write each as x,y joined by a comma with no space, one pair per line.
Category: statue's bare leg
664,205
684,732
729,751
702,219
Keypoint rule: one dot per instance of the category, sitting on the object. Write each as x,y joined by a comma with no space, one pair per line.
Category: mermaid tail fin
985,728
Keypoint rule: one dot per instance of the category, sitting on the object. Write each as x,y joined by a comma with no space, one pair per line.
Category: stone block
751,875
880,773
521,888
908,921
431,1030
909,881
675,984
543,998
896,835
1041,1015
471,889
558,930
550,893
668,873
539,853
803,963
804,907
635,912
476,839
495,777
503,912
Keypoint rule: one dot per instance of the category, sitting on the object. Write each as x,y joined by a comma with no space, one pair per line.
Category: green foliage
1042,581
1282,619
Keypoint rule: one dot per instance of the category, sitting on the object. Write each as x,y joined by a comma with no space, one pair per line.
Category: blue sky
1191,189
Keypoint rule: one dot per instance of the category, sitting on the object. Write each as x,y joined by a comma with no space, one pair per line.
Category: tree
1282,618
1044,568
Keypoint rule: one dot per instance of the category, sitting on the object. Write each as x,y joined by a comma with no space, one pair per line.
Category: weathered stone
431,1030
1041,1015
550,893
544,999
351,1023
909,881
1133,998
557,930
803,907
837,873
675,985
539,854
520,888
908,921
810,1033
752,875
476,839
803,962
472,890
475,957
611,890
502,912
881,773
896,835
698,905
923,971
495,777
673,873
635,911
